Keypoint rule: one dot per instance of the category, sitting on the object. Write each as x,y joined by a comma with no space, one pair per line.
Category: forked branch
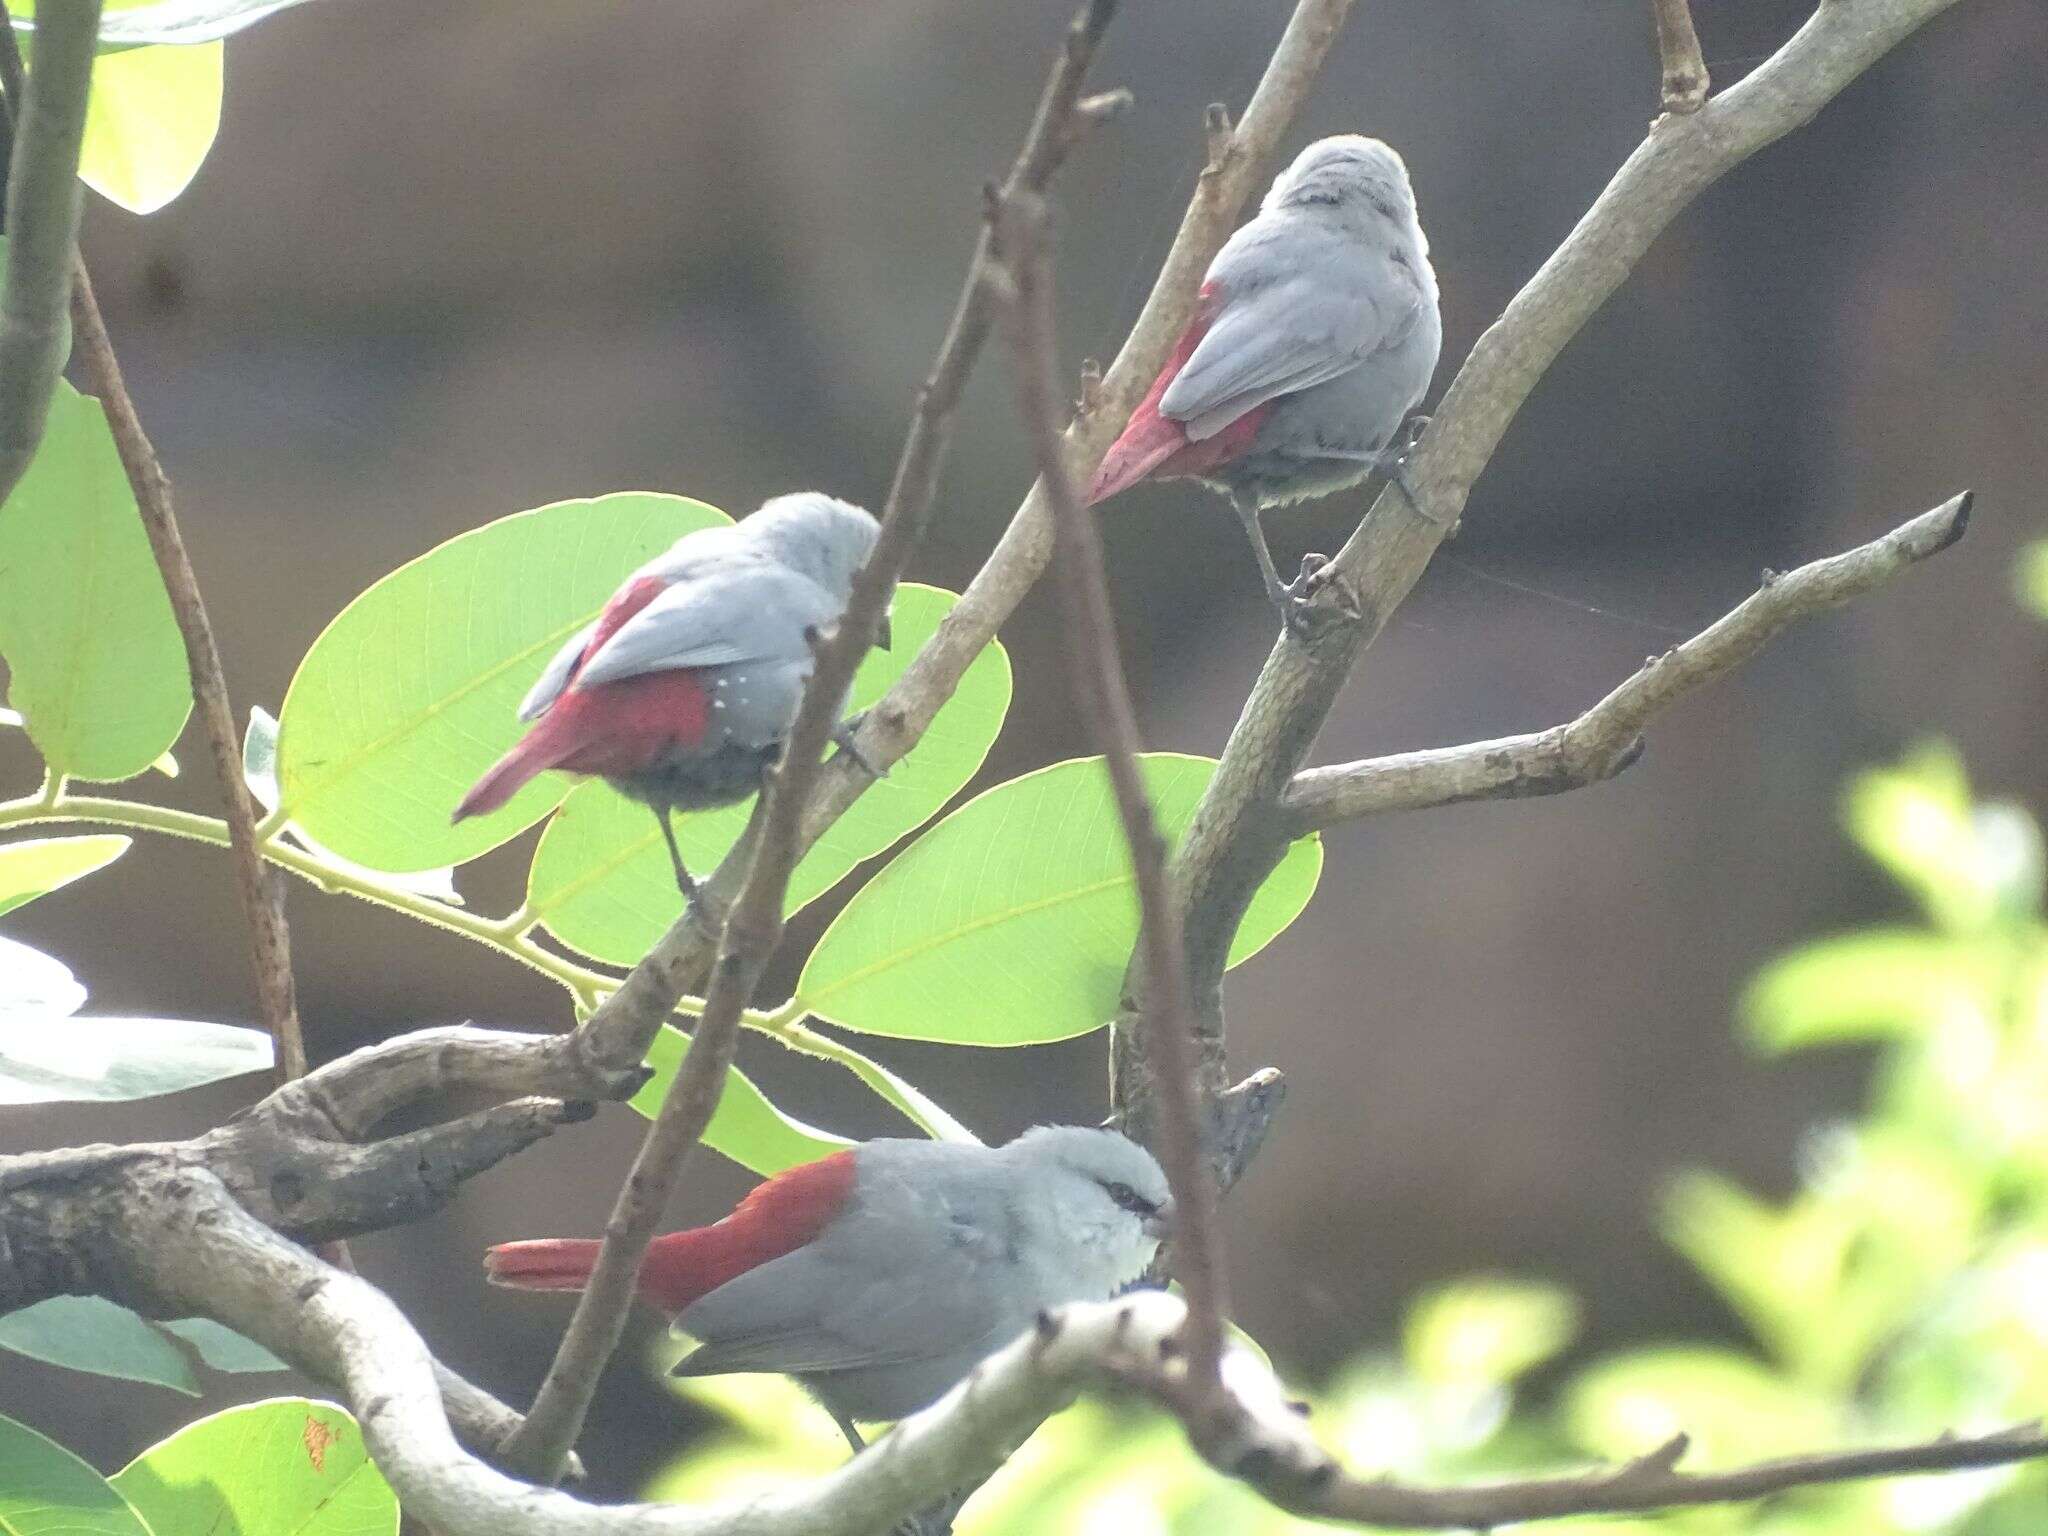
1608,738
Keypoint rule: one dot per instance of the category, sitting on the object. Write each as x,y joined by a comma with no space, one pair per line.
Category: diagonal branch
43,200
1239,832
261,893
776,840
1608,738
1096,674
682,959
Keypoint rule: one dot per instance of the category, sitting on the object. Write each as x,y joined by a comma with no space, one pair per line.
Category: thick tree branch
1240,830
1607,738
261,893
182,1247
776,840
1103,695
1684,83
43,200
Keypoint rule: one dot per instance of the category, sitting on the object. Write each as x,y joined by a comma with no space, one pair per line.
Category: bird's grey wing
548,687
880,1292
745,613
1286,328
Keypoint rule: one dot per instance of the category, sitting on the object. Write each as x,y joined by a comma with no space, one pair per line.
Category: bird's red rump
624,727
1152,446
778,1217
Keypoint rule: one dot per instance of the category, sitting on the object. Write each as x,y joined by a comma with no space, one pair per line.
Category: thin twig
261,893
1103,695
894,725
1608,738
776,840
1684,85
43,200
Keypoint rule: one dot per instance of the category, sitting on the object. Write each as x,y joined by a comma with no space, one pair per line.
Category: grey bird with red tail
1315,335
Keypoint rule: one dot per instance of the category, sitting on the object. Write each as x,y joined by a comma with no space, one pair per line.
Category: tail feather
543,1264
777,1217
1147,442
535,754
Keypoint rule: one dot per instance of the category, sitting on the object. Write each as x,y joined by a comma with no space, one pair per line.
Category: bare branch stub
1607,738
1100,689
1684,82
261,892
776,838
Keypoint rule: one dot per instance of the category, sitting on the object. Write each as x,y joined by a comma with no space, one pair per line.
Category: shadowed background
445,264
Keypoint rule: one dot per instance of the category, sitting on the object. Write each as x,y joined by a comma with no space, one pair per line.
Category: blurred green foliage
1901,1291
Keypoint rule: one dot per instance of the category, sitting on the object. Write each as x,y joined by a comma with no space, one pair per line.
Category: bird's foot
1316,575
938,1520
844,737
1411,434
1291,602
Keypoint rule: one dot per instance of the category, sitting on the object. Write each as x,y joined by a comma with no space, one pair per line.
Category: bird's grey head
1349,173
1107,1198
824,538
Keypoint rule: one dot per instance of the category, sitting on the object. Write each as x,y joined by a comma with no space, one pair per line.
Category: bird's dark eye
1130,1200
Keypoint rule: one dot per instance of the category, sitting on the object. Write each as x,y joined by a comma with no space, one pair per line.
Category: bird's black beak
882,631
1159,1225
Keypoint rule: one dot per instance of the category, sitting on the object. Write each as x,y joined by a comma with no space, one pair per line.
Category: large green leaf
89,1333
223,1348
747,1128
259,772
152,117
409,695
287,1467
86,1333
39,865
47,1491
48,1056
1011,921
601,879
95,662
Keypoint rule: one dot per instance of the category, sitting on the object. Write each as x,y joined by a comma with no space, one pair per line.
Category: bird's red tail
544,1264
539,750
776,1218
1147,442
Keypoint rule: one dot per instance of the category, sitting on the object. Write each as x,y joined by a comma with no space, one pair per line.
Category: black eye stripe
1129,1199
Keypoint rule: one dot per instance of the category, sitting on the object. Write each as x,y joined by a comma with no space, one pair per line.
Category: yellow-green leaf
37,866
151,119
1012,920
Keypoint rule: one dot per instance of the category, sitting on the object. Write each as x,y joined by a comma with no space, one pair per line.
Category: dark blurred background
453,261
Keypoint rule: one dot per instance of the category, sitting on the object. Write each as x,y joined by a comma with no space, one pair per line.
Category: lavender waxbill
1315,335
682,691
879,1276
